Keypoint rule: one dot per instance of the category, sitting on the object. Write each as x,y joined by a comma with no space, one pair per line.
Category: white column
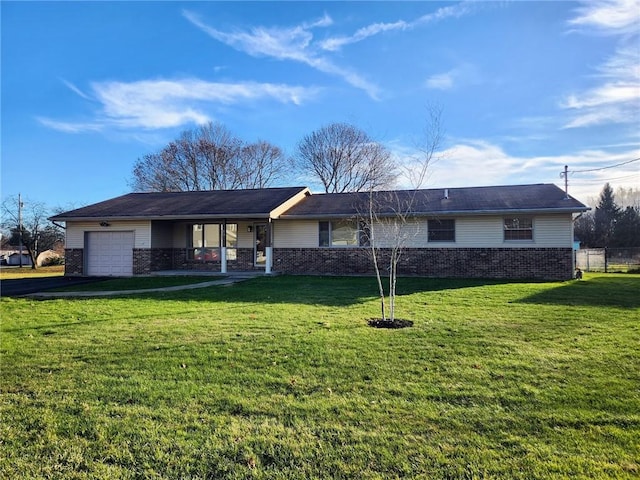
267,264
223,259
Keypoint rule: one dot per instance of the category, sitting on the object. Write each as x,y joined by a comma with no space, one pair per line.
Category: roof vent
446,193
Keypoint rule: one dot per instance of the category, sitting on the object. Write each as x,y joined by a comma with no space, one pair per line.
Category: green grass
7,273
138,283
281,378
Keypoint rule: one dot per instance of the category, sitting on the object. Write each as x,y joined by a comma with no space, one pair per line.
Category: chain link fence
608,260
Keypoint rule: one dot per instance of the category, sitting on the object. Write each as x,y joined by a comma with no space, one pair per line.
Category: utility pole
20,228
565,174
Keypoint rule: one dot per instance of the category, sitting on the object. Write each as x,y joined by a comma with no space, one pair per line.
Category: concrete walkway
106,293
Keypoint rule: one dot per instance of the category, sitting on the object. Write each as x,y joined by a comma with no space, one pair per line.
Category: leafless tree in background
209,158
346,159
263,164
34,230
219,150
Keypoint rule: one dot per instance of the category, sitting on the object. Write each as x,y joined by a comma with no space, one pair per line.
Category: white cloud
70,127
336,43
473,162
616,98
609,16
294,44
75,89
440,81
153,104
297,43
462,75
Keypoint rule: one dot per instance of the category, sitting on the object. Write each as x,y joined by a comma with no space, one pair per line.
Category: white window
518,228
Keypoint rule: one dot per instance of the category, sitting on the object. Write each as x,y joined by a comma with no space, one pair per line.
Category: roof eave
117,218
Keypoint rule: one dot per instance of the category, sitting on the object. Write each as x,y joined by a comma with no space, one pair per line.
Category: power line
601,180
605,168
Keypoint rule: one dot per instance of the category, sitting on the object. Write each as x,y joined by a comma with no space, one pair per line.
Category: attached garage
110,253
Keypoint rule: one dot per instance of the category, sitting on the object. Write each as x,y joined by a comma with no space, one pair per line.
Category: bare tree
262,163
219,150
27,222
346,159
391,220
209,158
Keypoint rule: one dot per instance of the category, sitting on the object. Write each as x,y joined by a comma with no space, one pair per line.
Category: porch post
268,250
223,248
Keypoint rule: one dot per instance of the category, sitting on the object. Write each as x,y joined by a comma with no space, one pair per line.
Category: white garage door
110,253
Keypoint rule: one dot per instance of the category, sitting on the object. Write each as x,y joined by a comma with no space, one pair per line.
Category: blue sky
524,87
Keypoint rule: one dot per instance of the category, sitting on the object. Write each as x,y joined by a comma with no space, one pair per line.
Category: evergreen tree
605,217
583,230
627,229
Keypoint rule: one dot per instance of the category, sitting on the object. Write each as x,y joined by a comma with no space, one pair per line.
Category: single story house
16,258
519,231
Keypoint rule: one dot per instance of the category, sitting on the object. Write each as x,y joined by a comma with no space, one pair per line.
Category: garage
110,253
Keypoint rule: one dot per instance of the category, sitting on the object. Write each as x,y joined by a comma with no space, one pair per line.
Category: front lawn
10,273
282,378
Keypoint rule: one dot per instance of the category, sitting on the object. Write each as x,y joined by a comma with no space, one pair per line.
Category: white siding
479,232
76,230
245,238
471,232
553,231
295,234
411,235
488,232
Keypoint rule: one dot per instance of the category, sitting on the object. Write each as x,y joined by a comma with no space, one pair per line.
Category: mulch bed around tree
395,323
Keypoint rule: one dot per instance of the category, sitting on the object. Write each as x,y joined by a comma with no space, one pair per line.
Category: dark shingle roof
476,200
172,205
260,203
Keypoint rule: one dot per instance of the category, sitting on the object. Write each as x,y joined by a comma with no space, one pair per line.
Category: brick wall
513,263
141,261
74,262
243,262
179,261
161,259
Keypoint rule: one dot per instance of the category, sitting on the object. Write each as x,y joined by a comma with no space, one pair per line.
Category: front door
260,242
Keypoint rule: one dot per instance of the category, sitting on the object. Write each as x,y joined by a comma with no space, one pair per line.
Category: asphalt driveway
24,286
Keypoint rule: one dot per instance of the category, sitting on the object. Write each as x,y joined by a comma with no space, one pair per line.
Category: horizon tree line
611,225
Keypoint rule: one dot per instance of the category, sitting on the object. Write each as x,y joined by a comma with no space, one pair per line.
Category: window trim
530,228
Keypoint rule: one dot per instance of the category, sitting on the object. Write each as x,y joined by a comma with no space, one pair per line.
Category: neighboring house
14,259
522,231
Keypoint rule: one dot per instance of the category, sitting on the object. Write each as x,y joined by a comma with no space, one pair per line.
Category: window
518,228
441,230
341,233
204,241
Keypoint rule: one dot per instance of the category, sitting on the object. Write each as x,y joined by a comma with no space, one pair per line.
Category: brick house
520,231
